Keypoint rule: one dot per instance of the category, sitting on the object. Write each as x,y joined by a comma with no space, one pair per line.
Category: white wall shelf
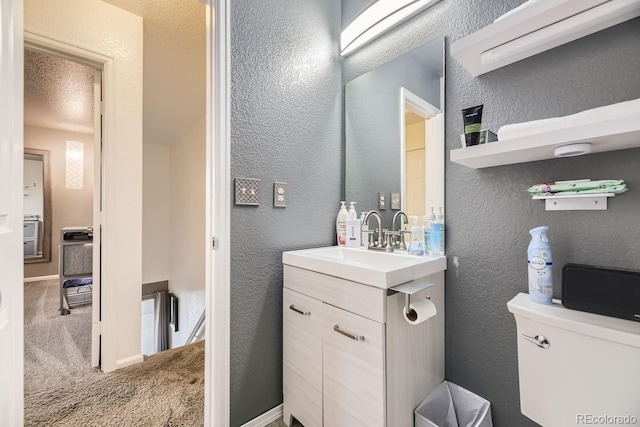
613,134
536,27
575,202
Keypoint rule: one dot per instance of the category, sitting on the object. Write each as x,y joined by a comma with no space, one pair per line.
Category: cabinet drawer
354,376
302,358
358,298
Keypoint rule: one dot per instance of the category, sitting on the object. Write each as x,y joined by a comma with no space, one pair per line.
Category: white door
97,217
11,159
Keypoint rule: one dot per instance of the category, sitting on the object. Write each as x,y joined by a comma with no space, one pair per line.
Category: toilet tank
576,368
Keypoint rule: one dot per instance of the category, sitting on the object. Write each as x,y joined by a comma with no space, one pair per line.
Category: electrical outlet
247,191
382,201
280,195
395,201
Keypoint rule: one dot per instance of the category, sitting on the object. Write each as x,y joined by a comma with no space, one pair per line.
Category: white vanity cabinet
350,358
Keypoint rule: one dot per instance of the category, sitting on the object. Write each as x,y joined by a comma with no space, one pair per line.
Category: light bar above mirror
377,19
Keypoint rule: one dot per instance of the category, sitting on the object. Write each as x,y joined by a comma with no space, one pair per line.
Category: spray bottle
540,272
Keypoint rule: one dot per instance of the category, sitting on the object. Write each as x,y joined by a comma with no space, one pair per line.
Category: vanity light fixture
379,18
74,168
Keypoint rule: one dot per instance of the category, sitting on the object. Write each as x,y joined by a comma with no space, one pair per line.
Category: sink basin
379,269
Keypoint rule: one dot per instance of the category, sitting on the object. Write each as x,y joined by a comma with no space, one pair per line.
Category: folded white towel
629,109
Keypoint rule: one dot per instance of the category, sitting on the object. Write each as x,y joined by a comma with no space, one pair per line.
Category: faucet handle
389,241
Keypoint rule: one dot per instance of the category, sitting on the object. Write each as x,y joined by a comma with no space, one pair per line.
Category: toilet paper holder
410,288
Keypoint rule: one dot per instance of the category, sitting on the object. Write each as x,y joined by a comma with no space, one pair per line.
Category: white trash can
449,405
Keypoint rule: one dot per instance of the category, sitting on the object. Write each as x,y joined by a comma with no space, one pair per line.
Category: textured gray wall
489,213
286,125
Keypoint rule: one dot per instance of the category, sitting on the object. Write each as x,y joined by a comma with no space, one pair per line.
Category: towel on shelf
613,186
629,109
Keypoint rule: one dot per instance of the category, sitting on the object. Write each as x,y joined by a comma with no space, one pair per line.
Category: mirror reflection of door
415,172
422,155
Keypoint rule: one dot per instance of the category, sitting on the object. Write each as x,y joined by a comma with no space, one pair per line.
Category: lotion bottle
540,272
341,224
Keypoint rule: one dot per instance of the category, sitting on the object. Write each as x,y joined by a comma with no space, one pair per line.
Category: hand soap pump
341,224
416,244
540,272
353,214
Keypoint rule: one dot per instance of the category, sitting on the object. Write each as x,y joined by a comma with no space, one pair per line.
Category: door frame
217,325
218,215
104,66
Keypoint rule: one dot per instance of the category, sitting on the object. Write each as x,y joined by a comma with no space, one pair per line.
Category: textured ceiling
58,93
174,86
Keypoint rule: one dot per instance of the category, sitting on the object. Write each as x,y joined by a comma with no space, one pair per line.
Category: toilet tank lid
595,325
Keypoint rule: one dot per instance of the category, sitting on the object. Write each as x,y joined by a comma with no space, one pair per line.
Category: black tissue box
601,290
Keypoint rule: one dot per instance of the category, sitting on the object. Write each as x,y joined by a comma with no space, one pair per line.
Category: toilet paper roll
419,311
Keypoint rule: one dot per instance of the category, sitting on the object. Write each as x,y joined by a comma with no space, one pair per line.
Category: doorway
62,118
119,332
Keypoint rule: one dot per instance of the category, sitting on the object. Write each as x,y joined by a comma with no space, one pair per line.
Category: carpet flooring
61,388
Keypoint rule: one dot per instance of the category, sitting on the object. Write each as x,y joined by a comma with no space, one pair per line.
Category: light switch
395,201
382,201
247,191
280,195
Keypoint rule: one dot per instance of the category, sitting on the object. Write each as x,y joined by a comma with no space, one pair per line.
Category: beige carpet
61,388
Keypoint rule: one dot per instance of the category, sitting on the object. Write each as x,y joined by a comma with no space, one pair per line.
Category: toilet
576,368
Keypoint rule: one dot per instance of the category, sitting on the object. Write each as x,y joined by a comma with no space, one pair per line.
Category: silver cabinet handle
347,334
539,340
304,313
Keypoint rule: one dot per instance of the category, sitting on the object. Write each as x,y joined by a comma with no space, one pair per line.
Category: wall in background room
68,207
188,240
156,212
285,126
488,213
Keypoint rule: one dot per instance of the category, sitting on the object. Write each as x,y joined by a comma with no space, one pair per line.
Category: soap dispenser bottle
540,272
416,244
428,227
437,235
341,224
353,214
440,220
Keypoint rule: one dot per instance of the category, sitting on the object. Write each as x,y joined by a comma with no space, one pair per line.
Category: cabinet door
353,370
302,358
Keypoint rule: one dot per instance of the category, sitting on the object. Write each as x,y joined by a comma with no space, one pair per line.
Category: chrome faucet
399,244
376,215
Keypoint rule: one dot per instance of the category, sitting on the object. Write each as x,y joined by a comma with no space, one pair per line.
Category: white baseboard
39,278
266,418
123,363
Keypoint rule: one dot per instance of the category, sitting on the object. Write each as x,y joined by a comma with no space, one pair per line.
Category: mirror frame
47,216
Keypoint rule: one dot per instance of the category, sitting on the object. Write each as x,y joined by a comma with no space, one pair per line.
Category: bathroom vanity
349,356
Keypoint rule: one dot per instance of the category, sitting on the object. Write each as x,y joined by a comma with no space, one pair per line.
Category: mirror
394,124
37,206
